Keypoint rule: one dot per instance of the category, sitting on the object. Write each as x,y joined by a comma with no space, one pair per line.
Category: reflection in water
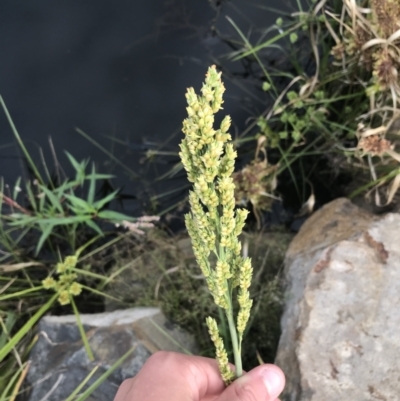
116,70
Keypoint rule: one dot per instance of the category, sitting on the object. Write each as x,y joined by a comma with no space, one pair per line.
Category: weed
60,217
332,96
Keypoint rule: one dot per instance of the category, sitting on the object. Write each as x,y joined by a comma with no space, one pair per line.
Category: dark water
115,70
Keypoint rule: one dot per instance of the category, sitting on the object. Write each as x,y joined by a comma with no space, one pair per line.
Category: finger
264,382
123,390
172,376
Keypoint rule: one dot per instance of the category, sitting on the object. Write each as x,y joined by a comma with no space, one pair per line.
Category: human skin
170,376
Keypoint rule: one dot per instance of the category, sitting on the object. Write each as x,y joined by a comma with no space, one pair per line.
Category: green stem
235,343
20,293
87,273
6,349
20,143
102,294
82,331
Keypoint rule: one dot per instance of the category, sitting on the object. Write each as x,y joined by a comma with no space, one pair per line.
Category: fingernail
272,381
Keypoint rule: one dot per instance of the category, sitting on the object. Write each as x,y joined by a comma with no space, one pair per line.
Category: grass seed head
212,223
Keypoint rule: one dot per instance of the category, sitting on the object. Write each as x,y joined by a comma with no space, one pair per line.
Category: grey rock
59,362
340,329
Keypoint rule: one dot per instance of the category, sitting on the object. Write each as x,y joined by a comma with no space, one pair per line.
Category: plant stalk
82,331
235,344
6,349
20,143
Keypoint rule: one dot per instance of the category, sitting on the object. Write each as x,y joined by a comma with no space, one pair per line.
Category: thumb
263,383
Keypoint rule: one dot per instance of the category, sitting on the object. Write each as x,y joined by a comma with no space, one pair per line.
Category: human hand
170,376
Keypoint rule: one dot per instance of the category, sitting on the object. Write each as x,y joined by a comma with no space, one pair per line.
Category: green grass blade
17,188
115,216
31,196
110,155
80,203
288,166
75,164
20,293
46,231
82,330
52,198
248,45
171,172
103,294
7,327
20,219
4,351
97,176
11,381
100,248
161,330
88,243
92,186
267,43
104,376
100,203
88,273
94,227
66,220
20,142
82,384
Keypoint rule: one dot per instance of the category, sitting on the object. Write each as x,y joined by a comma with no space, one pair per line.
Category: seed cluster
66,286
213,224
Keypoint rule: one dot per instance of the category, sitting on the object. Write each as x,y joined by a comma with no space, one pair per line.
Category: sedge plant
213,224
331,94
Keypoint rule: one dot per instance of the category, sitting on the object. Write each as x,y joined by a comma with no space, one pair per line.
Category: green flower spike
213,224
